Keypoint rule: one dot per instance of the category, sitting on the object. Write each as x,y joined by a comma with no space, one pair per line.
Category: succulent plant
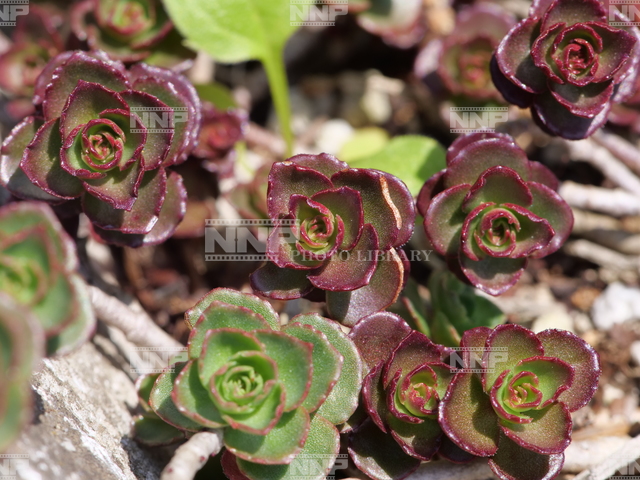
22,346
35,40
627,113
149,428
38,270
220,132
517,410
567,63
491,209
401,392
99,137
276,392
400,23
466,52
345,226
129,31
456,308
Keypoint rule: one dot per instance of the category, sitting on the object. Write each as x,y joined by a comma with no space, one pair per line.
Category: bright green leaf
364,143
411,158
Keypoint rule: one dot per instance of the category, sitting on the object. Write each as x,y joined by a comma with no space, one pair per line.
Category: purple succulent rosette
518,411
465,54
345,227
491,209
96,137
401,392
627,113
129,31
568,64
220,132
35,40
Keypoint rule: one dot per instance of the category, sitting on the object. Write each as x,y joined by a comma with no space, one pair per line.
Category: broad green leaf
193,400
364,143
241,30
411,158
217,94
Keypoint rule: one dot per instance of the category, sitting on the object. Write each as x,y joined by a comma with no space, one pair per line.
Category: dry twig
138,327
192,455
616,202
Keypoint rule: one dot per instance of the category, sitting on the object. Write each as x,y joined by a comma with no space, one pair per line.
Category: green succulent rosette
276,391
38,270
21,346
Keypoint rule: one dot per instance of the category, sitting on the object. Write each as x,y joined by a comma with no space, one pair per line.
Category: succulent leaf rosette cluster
106,135
401,393
277,392
568,64
518,410
129,31
338,229
491,209
466,53
35,40
220,132
22,347
38,270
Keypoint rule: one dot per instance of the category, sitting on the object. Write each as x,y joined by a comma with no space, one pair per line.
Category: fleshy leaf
343,399
514,462
378,455
222,315
327,363
233,297
467,417
549,431
315,459
280,283
584,360
295,365
279,446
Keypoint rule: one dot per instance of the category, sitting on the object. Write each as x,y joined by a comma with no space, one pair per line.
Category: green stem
277,76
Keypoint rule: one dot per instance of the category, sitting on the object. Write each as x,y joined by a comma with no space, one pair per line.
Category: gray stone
83,405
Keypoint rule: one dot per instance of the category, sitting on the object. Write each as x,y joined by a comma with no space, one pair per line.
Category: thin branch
621,148
602,256
603,160
138,327
616,202
192,455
